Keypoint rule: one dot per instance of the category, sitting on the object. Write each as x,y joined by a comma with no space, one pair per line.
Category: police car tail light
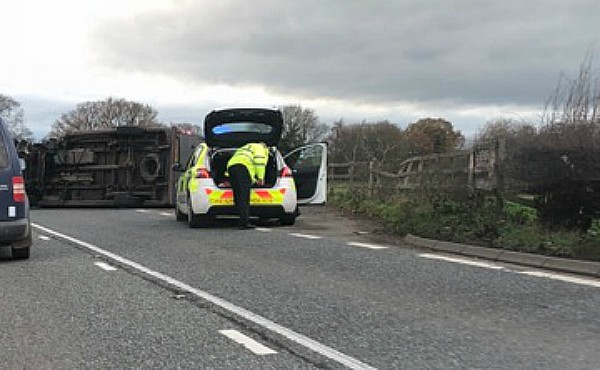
286,172
18,189
202,173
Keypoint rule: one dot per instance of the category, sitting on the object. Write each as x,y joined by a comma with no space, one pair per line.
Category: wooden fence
464,171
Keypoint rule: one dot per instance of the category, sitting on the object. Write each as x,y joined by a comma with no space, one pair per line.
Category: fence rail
465,171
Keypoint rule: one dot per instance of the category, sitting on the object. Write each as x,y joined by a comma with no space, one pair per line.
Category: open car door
309,168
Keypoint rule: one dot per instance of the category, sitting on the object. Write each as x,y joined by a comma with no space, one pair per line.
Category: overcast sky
465,60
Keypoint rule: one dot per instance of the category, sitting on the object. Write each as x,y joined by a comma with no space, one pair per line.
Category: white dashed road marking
247,342
105,266
44,237
306,236
142,211
166,214
263,229
367,245
462,260
272,326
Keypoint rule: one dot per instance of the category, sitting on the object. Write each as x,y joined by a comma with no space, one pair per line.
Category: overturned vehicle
126,166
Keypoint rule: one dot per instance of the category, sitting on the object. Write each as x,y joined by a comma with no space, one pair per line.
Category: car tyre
21,253
20,249
179,216
194,221
288,220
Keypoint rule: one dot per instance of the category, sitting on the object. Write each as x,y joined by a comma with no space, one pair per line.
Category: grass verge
474,221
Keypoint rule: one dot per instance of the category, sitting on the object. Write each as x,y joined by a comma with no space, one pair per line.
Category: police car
203,190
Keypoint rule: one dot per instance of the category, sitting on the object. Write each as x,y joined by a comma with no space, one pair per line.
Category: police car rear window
241,127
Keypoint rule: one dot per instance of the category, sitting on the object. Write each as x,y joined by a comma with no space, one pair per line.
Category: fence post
499,158
471,171
351,175
329,179
370,186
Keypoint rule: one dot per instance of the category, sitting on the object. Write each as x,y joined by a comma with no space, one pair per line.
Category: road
133,288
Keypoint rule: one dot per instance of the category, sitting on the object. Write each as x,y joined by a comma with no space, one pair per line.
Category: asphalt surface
389,308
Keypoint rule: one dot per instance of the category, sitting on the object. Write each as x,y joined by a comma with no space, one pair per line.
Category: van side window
3,155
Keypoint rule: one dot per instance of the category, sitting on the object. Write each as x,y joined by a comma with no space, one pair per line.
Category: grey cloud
466,51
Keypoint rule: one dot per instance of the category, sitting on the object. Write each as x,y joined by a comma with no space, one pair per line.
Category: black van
15,226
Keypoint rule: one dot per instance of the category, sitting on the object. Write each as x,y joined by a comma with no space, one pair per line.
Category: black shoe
246,227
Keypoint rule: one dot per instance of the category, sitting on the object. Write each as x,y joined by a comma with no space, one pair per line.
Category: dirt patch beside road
329,221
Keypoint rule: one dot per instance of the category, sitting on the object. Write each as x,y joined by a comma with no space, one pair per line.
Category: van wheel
150,167
22,251
288,220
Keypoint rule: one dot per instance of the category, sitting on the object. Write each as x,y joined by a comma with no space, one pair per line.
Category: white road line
367,245
462,260
142,211
43,237
303,340
247,342
305,236
541,274
567,278
105,266
263,229
166,214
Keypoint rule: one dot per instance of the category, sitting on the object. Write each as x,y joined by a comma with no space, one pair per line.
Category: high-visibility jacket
254,157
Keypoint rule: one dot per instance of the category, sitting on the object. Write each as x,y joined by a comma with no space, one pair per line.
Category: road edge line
239,311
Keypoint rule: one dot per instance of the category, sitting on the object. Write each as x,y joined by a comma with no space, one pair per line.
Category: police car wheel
288,220
179,216
192,218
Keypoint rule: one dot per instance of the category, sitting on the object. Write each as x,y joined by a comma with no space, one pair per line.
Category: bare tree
576,100
504,128
105,114
344,142
383,143
300,126
12,113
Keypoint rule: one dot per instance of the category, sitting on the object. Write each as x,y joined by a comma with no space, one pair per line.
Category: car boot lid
238,126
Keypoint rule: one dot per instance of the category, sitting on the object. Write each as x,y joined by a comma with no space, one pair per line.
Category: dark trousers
239,177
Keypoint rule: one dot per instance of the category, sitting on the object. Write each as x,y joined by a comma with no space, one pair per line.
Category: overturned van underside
125,166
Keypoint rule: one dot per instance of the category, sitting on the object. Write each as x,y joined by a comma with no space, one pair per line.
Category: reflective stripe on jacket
254,157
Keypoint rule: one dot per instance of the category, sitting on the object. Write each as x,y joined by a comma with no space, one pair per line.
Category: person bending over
246,167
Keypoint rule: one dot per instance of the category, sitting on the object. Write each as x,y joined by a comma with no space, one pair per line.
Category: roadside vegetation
554,162
477,221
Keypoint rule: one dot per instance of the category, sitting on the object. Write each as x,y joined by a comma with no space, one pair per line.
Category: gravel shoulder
330,221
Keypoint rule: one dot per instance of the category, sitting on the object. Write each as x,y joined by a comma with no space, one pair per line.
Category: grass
477,221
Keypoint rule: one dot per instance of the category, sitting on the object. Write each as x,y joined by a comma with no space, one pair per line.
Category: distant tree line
387,145
105,114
